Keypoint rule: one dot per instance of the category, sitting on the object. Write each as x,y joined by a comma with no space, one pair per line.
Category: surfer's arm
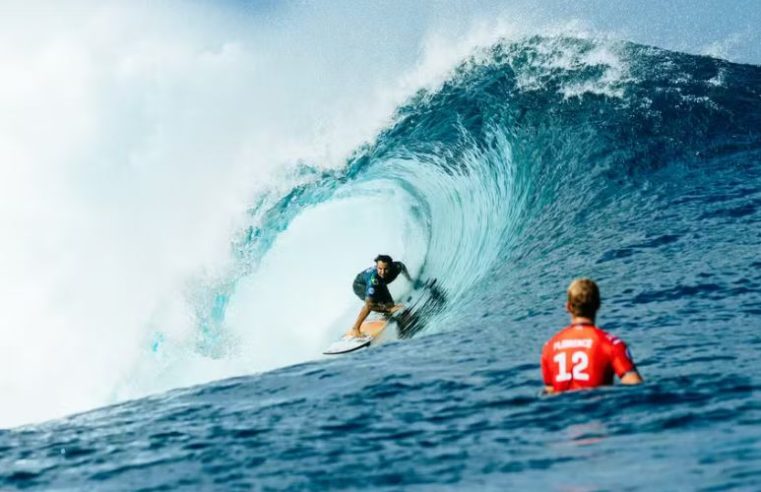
404,271
416,283
631,377
547,375
363,314
623,364
385,308
394,308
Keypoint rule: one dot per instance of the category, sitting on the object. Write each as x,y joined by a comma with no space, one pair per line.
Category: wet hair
583,298
384,259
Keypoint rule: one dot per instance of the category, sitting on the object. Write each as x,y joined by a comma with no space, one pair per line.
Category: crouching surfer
371,286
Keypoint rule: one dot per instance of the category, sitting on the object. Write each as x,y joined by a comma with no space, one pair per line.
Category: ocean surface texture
536,162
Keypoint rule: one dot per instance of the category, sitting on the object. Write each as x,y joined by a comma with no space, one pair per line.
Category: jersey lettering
579,361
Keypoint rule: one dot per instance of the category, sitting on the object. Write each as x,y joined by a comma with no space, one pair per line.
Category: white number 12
580,361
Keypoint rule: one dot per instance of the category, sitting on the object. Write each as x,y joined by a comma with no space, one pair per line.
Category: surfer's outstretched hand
395,308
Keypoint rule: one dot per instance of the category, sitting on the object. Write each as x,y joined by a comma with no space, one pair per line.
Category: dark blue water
536,163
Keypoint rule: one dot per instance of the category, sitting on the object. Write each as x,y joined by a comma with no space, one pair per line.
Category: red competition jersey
583,356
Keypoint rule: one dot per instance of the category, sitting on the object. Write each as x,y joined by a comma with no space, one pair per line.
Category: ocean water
536,160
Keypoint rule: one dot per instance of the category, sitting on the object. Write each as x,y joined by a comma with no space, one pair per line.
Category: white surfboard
348,344
371,330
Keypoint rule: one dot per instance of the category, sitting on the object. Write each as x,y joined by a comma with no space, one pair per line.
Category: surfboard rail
370,329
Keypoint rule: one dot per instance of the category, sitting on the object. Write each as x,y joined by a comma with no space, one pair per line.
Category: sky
727,28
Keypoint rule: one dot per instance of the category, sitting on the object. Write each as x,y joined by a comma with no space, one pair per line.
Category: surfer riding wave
371,286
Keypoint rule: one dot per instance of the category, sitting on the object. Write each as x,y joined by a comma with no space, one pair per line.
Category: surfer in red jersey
582,355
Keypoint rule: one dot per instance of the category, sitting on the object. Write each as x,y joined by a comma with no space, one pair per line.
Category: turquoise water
536,162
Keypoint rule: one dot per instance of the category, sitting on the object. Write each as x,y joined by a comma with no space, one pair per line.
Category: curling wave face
533,150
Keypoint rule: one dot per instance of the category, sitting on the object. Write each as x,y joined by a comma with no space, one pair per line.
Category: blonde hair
583,298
